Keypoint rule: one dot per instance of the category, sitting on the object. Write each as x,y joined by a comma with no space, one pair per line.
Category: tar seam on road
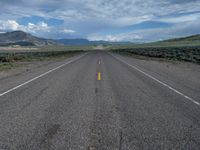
31,80
157,80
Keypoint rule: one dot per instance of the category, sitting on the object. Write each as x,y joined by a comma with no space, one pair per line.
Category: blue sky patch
37,19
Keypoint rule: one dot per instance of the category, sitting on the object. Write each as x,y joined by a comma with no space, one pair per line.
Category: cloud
118,11
9,25
181,18
41,26
68,31
39,29
154,34
116,38
89,18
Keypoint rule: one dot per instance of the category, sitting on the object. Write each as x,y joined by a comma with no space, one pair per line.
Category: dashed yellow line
99,76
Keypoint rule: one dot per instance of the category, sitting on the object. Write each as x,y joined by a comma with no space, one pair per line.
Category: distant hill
74,41
86,42
188,39
24,39
193,40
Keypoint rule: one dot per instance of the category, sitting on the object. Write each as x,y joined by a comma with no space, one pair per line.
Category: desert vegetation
9,60
190,54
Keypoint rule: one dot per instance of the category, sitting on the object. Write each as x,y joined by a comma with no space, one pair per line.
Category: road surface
98,101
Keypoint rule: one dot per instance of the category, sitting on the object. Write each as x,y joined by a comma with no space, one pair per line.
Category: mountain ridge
24,39
87,42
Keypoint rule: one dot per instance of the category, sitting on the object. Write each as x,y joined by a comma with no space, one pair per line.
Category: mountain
24,39
86,42
74,41
190,40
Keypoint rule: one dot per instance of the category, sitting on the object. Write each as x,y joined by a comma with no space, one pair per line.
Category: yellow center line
99,76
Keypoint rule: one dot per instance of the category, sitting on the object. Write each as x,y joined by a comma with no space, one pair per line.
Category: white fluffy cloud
116,38
68,31
38,29
9,25
41,26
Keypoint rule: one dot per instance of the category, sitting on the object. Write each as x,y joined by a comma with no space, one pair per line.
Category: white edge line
31,80
157,80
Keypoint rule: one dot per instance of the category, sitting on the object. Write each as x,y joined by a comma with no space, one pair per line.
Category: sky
110,20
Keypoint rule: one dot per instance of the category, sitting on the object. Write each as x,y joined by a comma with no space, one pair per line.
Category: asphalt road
99,101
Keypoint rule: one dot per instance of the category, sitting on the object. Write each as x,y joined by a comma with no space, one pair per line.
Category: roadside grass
6,66
46,48
189,54
9,60
67,48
